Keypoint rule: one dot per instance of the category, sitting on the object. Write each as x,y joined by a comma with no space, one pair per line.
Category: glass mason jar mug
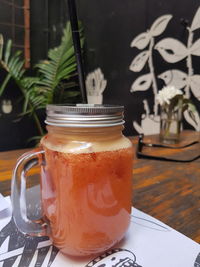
86,179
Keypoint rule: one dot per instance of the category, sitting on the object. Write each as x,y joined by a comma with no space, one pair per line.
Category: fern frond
52,80
61,64
1,46
13,65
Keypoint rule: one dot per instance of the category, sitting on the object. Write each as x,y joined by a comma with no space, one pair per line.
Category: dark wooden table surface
168,191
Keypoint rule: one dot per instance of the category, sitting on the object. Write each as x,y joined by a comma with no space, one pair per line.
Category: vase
170,124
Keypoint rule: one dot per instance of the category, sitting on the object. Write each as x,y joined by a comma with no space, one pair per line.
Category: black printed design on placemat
115,258
26,247
197,261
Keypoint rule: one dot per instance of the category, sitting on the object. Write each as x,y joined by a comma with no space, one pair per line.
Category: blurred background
111,33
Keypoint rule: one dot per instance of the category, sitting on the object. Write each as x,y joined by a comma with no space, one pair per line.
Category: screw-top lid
84,115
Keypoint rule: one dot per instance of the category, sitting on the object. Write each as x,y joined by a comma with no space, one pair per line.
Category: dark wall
109,27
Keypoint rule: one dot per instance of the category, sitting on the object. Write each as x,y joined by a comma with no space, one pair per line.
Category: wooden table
168,191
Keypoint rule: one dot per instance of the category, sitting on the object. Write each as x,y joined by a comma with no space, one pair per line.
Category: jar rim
84,115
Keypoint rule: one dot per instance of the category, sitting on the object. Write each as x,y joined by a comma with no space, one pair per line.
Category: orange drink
86,198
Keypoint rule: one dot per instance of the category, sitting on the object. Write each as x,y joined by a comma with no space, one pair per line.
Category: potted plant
53,80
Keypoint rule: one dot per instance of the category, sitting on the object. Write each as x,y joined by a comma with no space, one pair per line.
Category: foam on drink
59,144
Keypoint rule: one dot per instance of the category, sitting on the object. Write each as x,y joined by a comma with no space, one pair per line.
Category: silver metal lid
84,115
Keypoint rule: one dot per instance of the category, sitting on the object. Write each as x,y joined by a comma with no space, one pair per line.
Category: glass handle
18,194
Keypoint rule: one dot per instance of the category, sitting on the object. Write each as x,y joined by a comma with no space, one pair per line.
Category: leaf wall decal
151,124
139,61
142,83
160,25
195,49
174,77
137,127
191,121
196,21
195,86
141,41
171,50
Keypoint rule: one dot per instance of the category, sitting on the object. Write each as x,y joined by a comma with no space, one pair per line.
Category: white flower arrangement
170,98
173,103
165,95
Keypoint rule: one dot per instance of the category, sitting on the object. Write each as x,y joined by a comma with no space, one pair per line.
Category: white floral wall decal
149,122
172,51
6,106
95,85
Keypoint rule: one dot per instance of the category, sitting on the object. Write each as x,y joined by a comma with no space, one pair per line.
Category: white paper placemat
148,243
3,203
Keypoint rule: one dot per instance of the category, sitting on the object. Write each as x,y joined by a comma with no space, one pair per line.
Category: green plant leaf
61,64
7,51
1,46
52,75
4,83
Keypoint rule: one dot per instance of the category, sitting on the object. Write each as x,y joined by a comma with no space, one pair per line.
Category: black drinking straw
77,47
